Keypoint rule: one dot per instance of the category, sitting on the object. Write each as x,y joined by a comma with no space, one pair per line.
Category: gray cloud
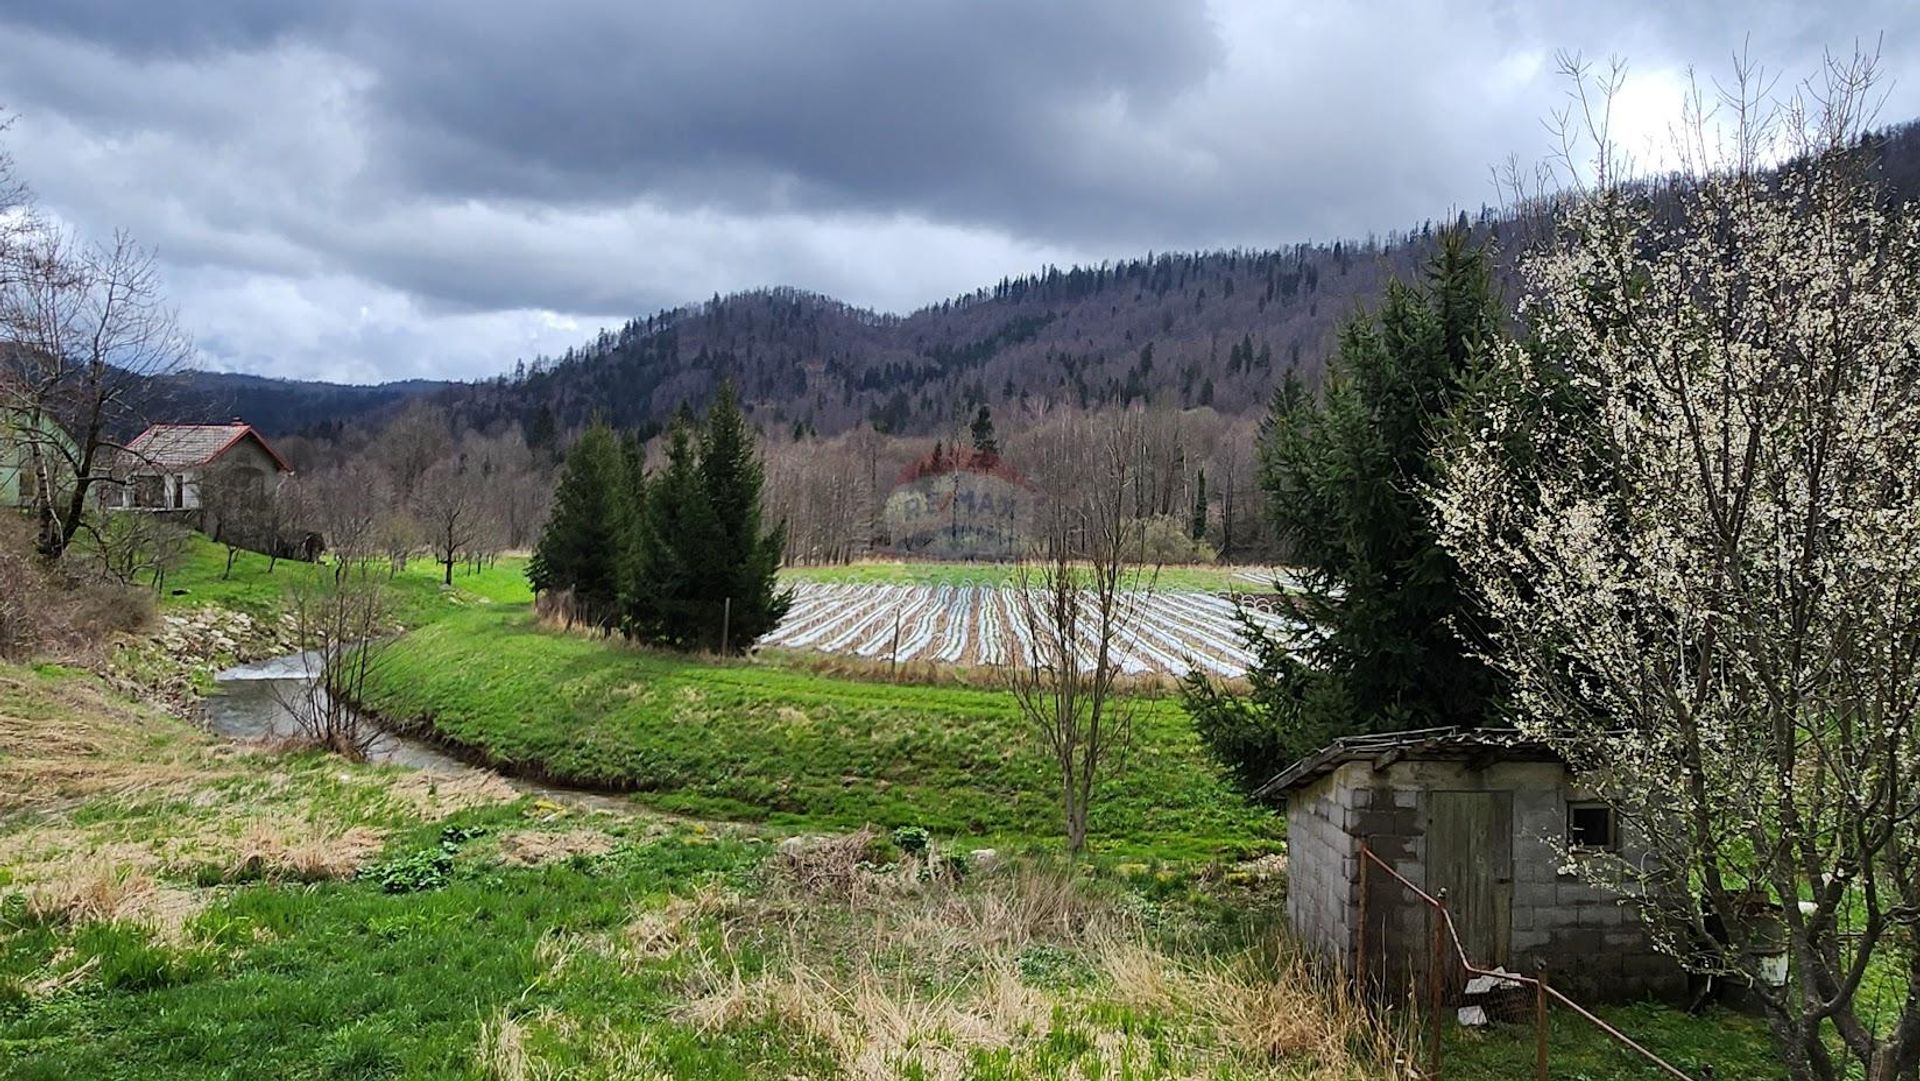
378,190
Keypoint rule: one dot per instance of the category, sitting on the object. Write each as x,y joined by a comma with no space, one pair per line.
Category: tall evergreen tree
579,549
634,592
1345,480
746,563
702,569
676,545
984,443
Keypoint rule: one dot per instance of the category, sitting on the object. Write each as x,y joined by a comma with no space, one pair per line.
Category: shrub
44,610
1163,538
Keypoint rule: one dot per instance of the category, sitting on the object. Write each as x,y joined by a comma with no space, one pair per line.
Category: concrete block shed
1484,814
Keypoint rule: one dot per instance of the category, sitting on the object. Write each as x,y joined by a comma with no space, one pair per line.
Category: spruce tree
1345,479
746,563
984,443
701,569
670,583
579,549
634,591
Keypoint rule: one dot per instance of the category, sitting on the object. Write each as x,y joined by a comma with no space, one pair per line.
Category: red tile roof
184,446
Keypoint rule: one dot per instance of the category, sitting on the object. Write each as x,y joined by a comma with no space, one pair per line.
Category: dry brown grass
436,795
502,1054
117,892
58,611
898,973
68,739
657,933
186,807
532,848
834,866
301,851
602,1052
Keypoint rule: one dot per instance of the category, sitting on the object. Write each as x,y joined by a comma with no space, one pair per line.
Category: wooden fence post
1436,983
1540,1024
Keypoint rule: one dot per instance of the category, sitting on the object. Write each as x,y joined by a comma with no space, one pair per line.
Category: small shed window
1592,825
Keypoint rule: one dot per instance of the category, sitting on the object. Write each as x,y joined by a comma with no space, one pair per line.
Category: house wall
245,454
180,488
1591,941
18,482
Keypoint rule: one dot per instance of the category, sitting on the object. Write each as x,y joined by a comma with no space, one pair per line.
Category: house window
1592,825
149,490
179,491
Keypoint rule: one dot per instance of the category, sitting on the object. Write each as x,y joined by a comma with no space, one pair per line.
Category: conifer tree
746,562
634,592
984,443
1345,480
702,570
579,548
674,548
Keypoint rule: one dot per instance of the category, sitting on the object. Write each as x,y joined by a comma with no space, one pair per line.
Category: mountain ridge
1214,328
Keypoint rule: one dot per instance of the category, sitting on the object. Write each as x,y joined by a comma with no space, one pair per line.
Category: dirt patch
436,795
533,848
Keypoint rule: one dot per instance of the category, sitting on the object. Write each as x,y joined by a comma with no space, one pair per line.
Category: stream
251,703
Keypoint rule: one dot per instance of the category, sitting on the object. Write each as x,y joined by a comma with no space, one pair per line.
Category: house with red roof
959,504
166,465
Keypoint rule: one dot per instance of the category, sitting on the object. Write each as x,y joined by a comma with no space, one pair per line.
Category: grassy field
418,593
170,908
1202,578
798,749
173,908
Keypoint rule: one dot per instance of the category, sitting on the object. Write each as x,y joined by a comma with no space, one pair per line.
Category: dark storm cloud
381,188
943,106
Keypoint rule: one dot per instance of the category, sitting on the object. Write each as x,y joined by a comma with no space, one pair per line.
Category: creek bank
256,701
178,663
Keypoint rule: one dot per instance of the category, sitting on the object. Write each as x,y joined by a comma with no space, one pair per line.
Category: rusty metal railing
1442,930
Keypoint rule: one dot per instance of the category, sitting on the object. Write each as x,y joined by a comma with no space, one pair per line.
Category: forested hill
278,406
1186,329
1178,329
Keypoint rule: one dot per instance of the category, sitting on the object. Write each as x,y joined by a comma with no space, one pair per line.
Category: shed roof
183,446
1422,744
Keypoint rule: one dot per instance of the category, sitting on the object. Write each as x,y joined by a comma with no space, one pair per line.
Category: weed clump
423,869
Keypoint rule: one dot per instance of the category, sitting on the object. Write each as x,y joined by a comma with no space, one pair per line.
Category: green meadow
748,741
789,891
1197,578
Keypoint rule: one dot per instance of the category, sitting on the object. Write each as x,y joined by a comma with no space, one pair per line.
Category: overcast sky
368,190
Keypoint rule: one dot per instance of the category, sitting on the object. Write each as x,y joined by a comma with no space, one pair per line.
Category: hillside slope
1177,329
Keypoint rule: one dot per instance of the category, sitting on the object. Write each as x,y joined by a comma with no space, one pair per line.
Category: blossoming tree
1690,502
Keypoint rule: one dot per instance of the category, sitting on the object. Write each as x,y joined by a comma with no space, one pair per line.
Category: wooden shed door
1470,855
